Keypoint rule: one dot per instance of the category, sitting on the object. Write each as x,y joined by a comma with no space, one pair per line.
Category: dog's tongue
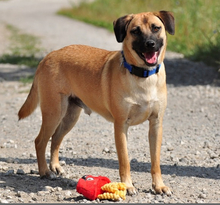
151,57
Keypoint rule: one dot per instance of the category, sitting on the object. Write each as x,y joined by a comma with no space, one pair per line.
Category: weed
30,61
22,49
28,79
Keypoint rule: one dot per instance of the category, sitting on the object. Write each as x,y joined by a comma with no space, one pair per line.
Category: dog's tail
31,102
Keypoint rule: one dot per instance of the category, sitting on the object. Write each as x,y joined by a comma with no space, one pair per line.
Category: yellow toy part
113,187
121,193
121,186
113,191
107,195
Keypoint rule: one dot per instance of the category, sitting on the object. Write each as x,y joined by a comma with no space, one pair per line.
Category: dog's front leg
123,159
155,140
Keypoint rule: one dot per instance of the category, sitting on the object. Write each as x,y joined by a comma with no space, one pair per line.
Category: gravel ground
190,154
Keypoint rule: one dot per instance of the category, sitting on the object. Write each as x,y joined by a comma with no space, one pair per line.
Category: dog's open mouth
150,58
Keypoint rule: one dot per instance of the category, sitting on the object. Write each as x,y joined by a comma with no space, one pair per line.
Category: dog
126,87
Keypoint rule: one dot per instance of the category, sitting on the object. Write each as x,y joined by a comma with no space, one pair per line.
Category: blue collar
138,71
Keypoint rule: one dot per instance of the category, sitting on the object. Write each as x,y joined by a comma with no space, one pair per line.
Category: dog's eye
136,31
155,29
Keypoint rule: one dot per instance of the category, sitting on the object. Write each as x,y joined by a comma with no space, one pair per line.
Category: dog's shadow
137,166
183,72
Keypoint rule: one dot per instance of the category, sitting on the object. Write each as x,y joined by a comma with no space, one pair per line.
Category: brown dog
125,87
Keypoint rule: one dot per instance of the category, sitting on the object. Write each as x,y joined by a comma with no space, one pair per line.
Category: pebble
204,191
106,150
3,201
18,194
21,200
8,197
9,160
9,144
42,193
174,158
170,148
48,188
68,193
10,172
32,194
20,171
202,196
212,154
4,168
58,189
33,171
206,144
182,142
60,198
62,163
159,198
34,198
33,155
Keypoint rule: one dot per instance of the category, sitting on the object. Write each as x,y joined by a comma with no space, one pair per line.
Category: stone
62,163
33,155
202,196
58,188
106,150
33,171
60,198
170,148
3,201
68,193
8,197
9,160
10,172
48,188
20,194
20,171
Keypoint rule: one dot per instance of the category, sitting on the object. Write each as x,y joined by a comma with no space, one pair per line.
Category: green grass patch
30,61
22,50
28,79
197,22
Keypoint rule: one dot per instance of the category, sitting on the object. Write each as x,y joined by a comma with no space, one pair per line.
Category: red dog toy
90,186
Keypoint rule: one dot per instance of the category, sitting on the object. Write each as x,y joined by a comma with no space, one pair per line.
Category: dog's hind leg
67,123
53,110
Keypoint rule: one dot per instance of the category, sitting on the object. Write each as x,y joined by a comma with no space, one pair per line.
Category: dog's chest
142,105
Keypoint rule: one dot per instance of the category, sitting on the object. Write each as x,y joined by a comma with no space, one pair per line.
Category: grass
22,49
27,80
197,22
30,61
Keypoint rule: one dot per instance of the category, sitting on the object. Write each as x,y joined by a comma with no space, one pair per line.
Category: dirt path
190,155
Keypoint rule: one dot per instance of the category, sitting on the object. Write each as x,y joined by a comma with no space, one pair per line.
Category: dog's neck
138,71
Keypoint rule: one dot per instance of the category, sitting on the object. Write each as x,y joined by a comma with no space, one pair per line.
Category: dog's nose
150,44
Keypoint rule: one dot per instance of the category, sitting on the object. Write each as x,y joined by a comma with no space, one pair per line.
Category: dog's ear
120,27
168,20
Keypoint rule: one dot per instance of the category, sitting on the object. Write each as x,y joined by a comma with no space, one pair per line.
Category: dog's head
144,36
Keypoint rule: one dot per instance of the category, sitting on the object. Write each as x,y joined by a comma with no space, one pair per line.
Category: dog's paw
162,190
131,191
48,175
57,169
